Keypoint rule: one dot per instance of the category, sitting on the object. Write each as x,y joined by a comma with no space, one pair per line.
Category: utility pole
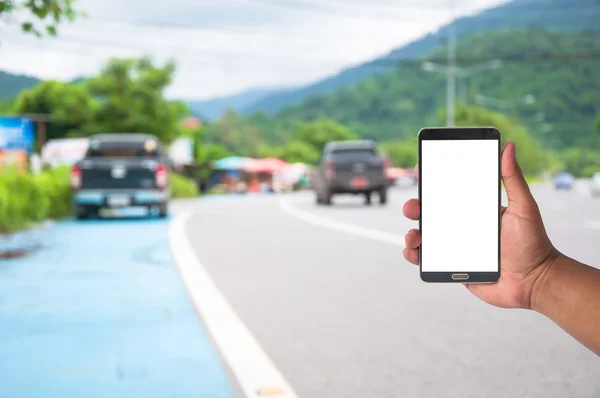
453,71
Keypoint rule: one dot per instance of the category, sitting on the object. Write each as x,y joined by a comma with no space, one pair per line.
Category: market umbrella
268,165
231,163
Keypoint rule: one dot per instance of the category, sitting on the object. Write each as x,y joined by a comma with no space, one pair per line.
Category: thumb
517,190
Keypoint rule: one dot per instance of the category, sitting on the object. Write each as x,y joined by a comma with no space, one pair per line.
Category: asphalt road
346,316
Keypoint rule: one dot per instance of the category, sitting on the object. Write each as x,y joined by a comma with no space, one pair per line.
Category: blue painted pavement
100,311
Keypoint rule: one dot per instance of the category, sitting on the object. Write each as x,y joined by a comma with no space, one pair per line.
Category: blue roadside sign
16,133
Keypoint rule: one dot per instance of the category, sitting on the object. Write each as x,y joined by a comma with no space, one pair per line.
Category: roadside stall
291,177
263,170
231,173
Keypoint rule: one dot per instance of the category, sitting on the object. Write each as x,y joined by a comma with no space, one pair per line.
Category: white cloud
224,46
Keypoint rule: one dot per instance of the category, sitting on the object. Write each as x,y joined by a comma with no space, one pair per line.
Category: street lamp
452,72
482,67
430,67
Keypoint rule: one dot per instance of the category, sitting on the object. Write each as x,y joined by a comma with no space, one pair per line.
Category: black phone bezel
461,133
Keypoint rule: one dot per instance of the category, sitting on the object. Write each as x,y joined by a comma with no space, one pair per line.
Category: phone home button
460,277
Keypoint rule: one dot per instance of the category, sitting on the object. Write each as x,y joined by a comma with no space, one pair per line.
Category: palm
524,245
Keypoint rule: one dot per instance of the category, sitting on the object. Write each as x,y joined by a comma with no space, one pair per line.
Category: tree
49,13
71,107
206,154
236,135
530,154
300,152
598,130
318,133
226,131
401,153
130,93
580,163
269,151
210,152
6,106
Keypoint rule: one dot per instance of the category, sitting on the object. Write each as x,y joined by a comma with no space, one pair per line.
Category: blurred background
237,101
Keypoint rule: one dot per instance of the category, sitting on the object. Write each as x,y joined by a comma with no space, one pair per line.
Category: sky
226,46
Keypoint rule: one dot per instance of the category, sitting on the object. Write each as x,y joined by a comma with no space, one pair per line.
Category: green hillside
11,85
560,69
560,15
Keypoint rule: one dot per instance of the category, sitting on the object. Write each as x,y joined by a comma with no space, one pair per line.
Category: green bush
26,199
55,184
182,187
12,204
216,190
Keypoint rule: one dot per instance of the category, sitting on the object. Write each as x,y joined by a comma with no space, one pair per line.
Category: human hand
526,250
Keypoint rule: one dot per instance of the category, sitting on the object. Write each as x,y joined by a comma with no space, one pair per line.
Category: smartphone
460,199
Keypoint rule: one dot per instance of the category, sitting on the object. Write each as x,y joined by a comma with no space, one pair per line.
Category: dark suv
351,167
121,170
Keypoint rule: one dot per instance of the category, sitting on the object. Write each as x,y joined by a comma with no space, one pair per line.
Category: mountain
11,84
560,69
564,15
215,107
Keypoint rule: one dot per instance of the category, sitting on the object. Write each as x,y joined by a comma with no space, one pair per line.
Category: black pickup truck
121,170
351,167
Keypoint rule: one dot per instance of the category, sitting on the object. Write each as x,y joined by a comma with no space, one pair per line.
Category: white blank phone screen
459,205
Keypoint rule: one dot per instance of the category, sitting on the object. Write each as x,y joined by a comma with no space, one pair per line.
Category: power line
197,59
386,63
388,12
414,5
220,52
381,61
400,14
525,58
170,49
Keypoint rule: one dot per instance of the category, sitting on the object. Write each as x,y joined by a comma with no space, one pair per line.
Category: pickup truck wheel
84,213
163,211
383,196
368,198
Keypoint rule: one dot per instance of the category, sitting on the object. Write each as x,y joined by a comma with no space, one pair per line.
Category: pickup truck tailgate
357,161
118,173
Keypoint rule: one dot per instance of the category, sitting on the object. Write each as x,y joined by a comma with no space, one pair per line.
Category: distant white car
595,187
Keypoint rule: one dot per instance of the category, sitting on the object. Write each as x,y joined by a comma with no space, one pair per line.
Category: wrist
541,289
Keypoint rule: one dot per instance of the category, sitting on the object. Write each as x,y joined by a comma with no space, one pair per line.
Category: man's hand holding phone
526,251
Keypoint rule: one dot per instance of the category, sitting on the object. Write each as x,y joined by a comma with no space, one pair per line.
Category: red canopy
268,165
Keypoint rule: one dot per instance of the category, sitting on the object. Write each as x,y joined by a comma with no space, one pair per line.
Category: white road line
255,372
339,226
